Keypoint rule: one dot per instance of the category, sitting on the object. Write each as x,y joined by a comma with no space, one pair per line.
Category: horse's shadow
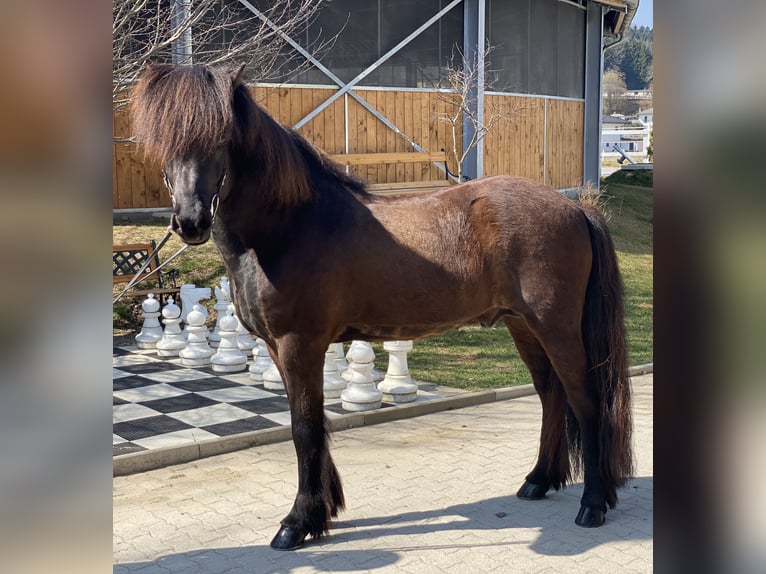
551,519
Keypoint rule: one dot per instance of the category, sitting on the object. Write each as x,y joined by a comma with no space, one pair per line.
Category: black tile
209,384
240,426
336,408
126,448
116,401
180,403
130,382
118,352
149,426
151,367
265,406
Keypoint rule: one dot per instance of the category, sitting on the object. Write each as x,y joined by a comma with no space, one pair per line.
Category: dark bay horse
314,259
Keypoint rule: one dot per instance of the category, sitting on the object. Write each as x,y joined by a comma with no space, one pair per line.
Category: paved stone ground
429,494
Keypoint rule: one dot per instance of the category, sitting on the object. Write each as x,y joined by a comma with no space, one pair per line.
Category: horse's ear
237,76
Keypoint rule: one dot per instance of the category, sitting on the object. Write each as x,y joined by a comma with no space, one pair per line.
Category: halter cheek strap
216,201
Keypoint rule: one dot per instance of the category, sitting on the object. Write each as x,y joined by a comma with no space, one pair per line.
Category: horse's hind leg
320,494
566,351
552,468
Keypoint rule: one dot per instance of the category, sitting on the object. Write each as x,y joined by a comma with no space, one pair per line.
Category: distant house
645,117
628,134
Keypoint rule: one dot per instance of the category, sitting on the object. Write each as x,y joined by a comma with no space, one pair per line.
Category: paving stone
423,495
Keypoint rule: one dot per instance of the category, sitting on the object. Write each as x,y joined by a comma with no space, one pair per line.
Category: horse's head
184,117
196,185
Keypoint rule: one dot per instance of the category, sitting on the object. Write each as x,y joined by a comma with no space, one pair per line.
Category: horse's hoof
590,517
288,538
532,491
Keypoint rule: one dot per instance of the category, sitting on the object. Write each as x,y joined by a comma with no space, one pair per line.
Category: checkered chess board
160,403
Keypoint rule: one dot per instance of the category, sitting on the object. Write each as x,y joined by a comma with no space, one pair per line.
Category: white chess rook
197,352
398,386
151,330
361,394
228,358
173,339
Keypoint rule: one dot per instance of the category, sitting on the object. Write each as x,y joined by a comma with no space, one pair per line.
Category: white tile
117,439
235,394
279,418
132,359
118,374
149,392
211,415
176,375
131,412
177,438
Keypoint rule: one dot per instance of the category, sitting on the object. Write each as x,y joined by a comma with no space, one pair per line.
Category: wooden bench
355,159
127,260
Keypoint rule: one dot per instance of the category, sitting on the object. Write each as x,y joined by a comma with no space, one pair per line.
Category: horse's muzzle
190,232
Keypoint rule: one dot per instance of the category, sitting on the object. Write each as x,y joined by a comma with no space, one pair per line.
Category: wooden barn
380,91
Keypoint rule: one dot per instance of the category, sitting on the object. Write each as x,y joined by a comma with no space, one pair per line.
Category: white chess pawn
367,349
172,340
334,384
272,379
398,386
339,357
261,361
361,394
151,330
228,358
197,352
245,340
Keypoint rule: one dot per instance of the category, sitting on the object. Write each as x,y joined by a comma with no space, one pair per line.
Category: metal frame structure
474,35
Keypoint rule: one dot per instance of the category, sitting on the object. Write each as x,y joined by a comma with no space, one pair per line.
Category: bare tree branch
224,32
460,80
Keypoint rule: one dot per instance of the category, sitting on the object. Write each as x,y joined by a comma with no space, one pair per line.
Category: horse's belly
395,333
419,330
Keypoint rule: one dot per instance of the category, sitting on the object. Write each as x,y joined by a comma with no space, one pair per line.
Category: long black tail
603,329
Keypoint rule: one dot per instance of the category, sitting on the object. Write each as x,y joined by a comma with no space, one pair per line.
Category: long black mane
183,111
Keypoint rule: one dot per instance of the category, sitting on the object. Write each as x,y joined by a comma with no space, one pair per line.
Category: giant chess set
182,382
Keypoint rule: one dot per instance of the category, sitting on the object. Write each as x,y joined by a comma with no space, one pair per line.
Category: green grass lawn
472,357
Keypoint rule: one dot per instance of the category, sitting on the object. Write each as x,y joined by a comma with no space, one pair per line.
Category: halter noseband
214,202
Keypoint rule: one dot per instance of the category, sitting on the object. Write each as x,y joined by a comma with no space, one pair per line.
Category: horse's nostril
174,225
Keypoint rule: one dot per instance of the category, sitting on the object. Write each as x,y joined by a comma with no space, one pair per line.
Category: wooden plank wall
542,141
565,125
515,148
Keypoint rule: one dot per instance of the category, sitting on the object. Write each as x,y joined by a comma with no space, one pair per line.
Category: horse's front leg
320,495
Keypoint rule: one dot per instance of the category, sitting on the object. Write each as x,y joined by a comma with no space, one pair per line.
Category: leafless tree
459,93
213,32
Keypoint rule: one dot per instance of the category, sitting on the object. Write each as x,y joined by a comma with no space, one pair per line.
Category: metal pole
594,63
474,37
181,50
